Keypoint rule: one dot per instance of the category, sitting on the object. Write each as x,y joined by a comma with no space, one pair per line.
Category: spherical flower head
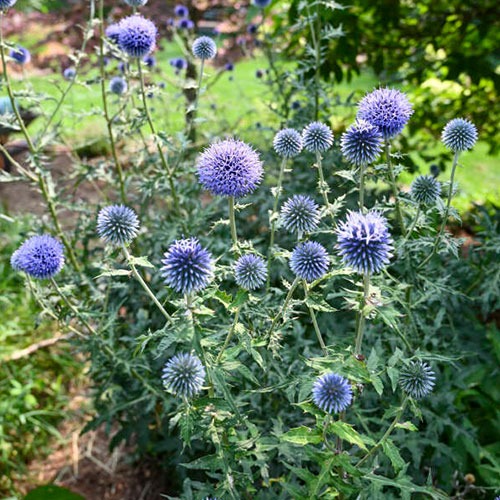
185,24
417,379
117,224
137,36
230,168
459,135
20,55
361,143
300,214
181,11
252,29
118,85
288,143
309,261
69,74
113,32
250,272
184,375
332,393
388,109
6,4
40,257
136,3
317,137
229,66
150,61
261,3
204,48
178,63
425,189
364,242
188,267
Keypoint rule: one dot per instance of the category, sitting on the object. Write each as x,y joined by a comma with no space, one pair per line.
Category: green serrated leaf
141,262
303,435
393,455
347,433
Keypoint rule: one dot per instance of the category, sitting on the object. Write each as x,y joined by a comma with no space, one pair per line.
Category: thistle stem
323,186
360,319
283,307
232,223
394,186
229,335
362,168
412,227
152,127
146,288
314,320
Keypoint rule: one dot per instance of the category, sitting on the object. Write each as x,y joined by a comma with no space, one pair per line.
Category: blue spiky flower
309,260
250,271
230,168
69,74
6,4
204,48
288,143
184,375
149,61
181,11
425,189
40,257
187,266
261,3
364,242
178,63
117,224
20,54
317,137
332,393
417,379
118,85
361,143
388,109
459,135
136,3
113,32
185,24
137,36
300,214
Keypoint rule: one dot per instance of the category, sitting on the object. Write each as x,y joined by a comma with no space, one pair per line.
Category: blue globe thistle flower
332,393
250,272
317,137
20,55
296,105
425,189
230,168
117,224
288,143
364,242
137,36
309,260
300,214
388,109
229,66
204,48
188,267
459,135
417,379
6,4
118,85
150,61
113,32
185,24
178,63
361,144
181,11
184,375
69,74
252,29
136,3
261,3
40,257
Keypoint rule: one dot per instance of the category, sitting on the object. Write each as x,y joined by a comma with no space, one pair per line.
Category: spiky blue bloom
417,379
117,224
250,271
40,257
230,168
288,143
300,214
181,11
361,143
69,74
261,3
317,137
332,393
309,260
113,32
229,66
187,266
204,48
178,63
6,4
184,375
185,24
150,61
388,109
425,189
20,54
137,36
136,3
364,242
459,135
118,85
